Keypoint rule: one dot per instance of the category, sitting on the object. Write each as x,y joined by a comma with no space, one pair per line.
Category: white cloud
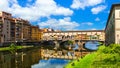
4,4
40,8
87,23
85,3
97,19
77,4
62,24
98,9
93,29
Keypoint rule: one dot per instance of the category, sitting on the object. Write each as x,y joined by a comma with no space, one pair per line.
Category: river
29,59
92,45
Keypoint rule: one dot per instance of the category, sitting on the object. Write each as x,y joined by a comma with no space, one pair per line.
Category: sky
61,14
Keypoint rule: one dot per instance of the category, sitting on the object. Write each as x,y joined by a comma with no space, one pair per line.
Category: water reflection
19,60
32,58
51,63
29,59
92,45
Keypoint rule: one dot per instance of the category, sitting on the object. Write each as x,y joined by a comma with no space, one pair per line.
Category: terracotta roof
6,12
78,31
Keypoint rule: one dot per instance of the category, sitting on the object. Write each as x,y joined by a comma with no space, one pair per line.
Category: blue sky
61,14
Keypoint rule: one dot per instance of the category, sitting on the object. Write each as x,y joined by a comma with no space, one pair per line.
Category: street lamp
16,42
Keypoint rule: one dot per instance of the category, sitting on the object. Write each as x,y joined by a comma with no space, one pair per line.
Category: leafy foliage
82,63
13,48
107,56
70,42
104,57
111,49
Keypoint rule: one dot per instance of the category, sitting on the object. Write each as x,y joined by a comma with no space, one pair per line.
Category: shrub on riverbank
105,56
82,63
13,47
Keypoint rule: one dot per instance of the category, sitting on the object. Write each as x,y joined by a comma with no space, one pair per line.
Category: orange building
35,34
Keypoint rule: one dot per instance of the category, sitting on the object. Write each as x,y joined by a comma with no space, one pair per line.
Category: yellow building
41,34
35,34
26,31
45,30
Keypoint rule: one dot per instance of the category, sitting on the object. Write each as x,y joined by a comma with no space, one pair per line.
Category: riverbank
17,47
104,57
82,62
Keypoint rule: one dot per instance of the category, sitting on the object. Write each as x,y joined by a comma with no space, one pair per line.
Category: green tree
13,48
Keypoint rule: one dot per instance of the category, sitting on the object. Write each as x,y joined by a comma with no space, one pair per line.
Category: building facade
75,35
17,29
13,29
35,34
5,27
26,31
112,30
21,30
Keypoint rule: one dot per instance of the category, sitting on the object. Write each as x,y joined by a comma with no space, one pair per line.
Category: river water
51,63
92,45
29,59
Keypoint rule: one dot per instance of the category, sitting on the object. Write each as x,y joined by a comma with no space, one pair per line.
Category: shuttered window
119,13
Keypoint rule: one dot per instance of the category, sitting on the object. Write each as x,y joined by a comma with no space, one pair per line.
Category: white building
112,30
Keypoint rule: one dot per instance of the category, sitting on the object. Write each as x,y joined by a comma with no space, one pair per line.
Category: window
119,13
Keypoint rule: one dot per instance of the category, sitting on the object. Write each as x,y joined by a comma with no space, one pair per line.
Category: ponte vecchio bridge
82,36
86,35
